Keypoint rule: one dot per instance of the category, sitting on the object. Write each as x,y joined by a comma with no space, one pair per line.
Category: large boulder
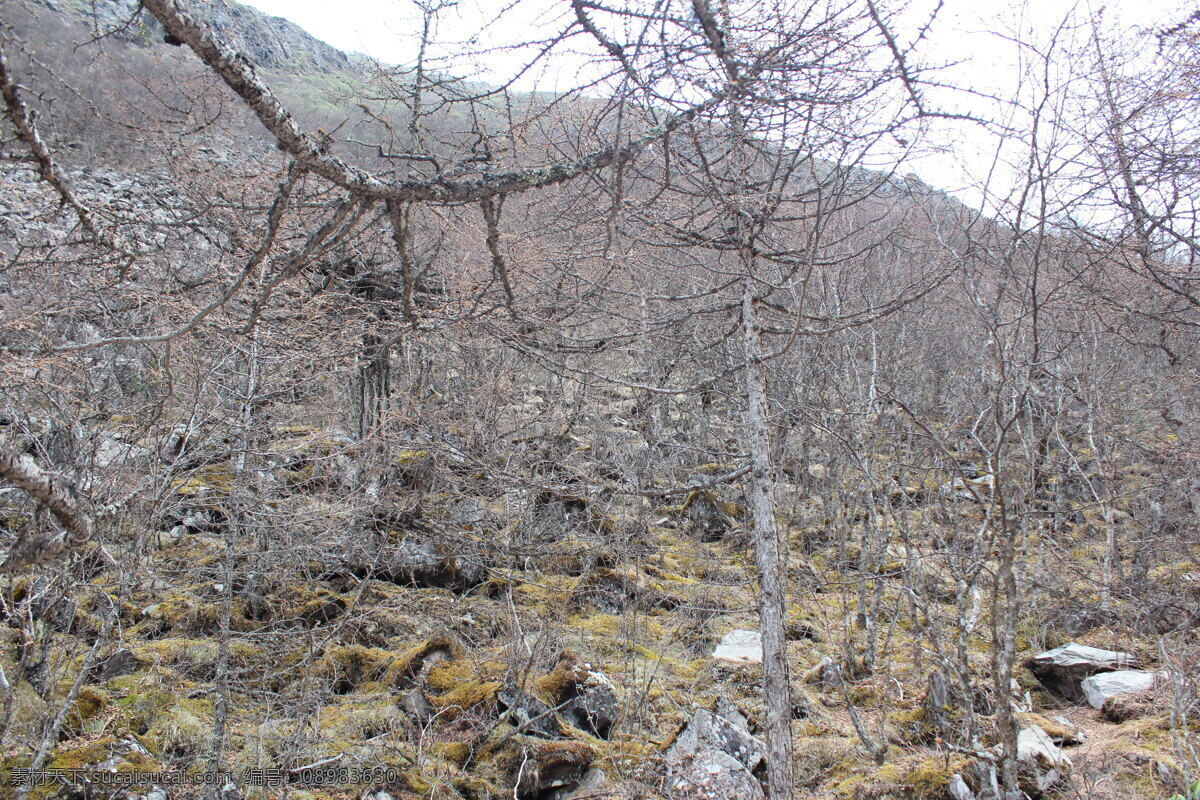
1099,688
712,775
1063,669
713,757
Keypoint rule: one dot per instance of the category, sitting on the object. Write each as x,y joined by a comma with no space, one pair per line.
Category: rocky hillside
271,43
534,577
130,69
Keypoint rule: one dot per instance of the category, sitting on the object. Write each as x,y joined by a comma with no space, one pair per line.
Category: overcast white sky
967,31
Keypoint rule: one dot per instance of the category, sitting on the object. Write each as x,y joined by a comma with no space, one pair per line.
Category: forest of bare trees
371,430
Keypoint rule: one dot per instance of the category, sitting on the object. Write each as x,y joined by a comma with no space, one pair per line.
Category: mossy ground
324,664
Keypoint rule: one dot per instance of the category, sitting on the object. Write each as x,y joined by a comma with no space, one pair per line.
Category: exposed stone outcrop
1063,669
713,757
268,42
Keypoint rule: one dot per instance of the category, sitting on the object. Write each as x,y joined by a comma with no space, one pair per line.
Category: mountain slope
268,42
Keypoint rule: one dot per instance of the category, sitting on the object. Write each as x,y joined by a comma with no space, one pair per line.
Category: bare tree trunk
374,382
1004,616
236,530
53,492
768,556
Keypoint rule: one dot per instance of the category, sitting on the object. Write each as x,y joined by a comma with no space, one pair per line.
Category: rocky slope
553,601
271,43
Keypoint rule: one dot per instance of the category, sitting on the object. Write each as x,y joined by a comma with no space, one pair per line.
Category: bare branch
240,76
55,494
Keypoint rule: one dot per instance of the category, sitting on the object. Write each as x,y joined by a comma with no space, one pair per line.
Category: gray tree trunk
238,498
769,559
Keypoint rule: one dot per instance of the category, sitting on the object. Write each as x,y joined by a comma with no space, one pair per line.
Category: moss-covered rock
535,767
89,702
213,480
191,613
912,726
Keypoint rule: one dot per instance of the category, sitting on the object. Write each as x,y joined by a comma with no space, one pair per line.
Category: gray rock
122,662
595,705
723,729
958,788
740,647
712,775
529,714
1064,668
1099,688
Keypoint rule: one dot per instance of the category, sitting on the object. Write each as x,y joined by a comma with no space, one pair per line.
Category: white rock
1099,688
740,647
1033,742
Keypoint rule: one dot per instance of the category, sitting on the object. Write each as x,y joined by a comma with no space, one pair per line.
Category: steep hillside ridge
269,42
